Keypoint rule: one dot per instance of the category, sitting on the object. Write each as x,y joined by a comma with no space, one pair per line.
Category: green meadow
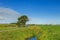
42,32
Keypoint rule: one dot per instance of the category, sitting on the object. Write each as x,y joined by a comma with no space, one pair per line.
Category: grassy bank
19,33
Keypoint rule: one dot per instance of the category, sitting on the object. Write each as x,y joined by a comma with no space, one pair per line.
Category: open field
50,32
42,32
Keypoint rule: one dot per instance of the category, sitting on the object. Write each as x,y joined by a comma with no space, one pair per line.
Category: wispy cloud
2,18
8,15
44,21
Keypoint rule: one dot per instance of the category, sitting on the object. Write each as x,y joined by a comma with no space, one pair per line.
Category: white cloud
8,15
2,18
44,21
8,11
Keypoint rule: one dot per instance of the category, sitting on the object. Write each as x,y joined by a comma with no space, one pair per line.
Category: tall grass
48,32
20,33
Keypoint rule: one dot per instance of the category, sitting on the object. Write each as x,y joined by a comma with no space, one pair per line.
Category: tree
22,21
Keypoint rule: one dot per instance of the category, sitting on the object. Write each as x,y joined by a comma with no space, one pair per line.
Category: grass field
48,32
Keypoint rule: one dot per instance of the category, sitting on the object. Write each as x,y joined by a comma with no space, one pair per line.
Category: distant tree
22,21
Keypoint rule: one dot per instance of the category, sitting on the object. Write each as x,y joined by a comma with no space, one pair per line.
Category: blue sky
38,11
